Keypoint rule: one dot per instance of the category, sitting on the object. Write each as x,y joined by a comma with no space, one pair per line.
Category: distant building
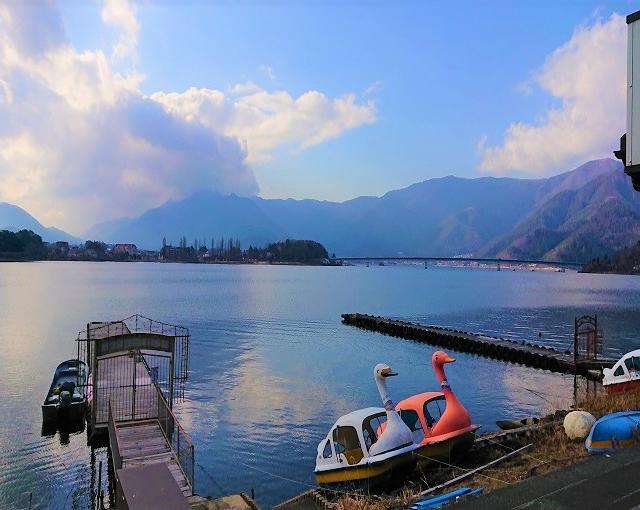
125,249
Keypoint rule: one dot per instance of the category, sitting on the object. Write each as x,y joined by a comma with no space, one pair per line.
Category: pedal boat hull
371,471
442,448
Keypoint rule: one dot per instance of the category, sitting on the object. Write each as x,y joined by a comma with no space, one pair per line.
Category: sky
108,108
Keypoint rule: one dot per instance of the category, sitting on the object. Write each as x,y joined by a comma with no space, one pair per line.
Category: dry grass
602,404
551,450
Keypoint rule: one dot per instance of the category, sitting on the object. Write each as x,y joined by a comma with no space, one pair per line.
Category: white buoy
577,424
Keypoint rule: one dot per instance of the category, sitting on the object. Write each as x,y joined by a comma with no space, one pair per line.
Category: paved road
597,482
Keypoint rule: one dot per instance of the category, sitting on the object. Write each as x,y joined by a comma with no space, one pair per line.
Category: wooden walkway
142,443
532,355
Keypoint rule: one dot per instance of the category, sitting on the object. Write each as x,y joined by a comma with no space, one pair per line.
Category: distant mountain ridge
15,218
586,222
561,218
574,216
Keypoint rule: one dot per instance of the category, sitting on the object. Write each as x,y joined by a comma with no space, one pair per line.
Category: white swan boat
624,375
369,445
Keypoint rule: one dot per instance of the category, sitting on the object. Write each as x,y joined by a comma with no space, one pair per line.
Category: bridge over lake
479,260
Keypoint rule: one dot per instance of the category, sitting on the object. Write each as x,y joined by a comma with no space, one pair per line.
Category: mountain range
577,215
15,218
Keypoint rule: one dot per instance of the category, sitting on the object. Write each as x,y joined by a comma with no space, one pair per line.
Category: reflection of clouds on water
536,391
278,401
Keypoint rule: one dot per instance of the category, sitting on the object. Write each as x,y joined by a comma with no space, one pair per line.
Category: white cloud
248,87
6,96
121,16
80,143
268,71
373,89
263,120
587,75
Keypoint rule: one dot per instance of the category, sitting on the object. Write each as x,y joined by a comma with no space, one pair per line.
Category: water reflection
63,429
272,367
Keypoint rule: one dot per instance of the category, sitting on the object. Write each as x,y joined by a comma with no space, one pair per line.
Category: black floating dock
521,352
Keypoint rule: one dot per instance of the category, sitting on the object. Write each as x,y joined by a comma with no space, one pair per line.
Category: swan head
381,371
440,358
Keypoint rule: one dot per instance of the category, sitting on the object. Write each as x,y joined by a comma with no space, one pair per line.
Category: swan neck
440,375
387,403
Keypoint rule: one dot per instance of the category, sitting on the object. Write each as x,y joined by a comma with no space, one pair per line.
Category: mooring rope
274,475
220,488
305,484
463,469
514,449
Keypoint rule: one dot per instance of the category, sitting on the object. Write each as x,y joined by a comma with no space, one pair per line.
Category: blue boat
614,431
66,397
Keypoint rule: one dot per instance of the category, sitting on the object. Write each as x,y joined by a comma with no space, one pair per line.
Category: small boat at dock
614,431
66,397
516,424
439,422
359,451
624,375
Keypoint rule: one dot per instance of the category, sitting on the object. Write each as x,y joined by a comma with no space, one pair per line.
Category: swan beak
387,373
448,360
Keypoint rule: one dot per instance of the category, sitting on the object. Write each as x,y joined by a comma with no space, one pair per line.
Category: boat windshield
632,364
347,444
327,453
411,419
372,428
433,410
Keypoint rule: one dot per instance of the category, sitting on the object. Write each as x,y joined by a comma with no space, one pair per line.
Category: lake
271,366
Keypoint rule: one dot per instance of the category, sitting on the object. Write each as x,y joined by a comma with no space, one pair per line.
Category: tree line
21,245
626,260
230,250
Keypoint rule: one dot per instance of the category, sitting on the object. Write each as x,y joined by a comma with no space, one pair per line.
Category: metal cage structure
587,338
128,359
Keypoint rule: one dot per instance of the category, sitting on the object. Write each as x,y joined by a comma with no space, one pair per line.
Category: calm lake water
272,366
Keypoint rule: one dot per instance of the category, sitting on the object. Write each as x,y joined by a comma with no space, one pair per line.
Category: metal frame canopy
128,358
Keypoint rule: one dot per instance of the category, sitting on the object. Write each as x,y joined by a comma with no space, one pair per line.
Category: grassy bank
551,450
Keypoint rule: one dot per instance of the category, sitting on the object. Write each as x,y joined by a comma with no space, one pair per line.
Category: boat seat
354,456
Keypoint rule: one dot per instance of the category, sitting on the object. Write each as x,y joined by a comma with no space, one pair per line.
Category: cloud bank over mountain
80,142
574,216
586,77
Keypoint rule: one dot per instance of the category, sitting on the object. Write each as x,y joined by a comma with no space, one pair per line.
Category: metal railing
133,324
128,384
113,441
178,439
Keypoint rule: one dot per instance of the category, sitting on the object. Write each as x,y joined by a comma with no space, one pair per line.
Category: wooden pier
521,352
143,443
138,369
136,365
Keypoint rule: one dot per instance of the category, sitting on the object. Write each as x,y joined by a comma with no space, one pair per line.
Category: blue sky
433,83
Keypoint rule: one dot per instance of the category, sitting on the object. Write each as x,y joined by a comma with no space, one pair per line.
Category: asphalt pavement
603,481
